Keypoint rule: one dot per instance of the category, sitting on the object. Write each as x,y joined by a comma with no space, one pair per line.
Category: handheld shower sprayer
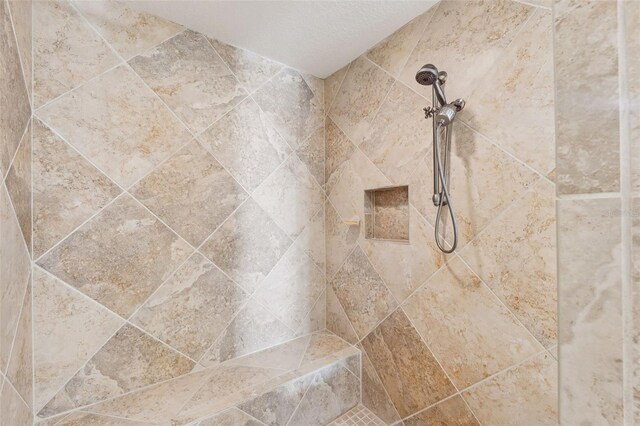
443,115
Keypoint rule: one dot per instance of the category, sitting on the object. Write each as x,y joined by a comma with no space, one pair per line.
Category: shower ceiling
317,37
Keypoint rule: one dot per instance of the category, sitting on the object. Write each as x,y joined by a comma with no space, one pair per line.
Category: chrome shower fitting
443,115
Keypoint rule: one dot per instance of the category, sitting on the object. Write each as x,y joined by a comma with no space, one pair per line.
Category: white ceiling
316,37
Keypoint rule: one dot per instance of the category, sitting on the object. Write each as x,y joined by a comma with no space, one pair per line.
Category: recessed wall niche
386,213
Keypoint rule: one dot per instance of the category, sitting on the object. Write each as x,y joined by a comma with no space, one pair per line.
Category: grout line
589,196
3,177
375,371
20,59
333,99
313,376
7,381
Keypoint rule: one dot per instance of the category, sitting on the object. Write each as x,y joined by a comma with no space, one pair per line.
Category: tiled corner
67,189
191,192
187,73
66,50
232,416
374,395
337,320
118,124
21,16
311,153
358,416
128,31
338,150
118,258
20,368
18,183
340,239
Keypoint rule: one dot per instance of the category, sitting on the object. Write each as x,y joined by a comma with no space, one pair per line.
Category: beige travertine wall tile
322,345
632,41
276,407
14,99
254,328
290,196
192,308
82,418
399,136
316,319
362,293
276,98
360,95
68,329
230,417
588,153
66,50
285,356
247,245
19,185
14,276
191,192
589,308
392,52
452,412
410,374
337,320
524,279
67,190
467,56
374,395
390,211
118,124
334,391
246,144
21,16
311,153
128,31
250,69
311,240
340,239
118,258
130,359
514,105
187,73
466,326
292,287
20,368
332,85
13,410
635,313
526,394
338,149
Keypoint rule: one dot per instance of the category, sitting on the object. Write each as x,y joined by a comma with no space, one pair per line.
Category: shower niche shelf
386,213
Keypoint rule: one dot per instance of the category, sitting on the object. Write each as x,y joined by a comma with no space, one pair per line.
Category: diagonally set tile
337,320
118,124
20,368
247,245
338,149
187,73
374,395
68,329
66,50
192,308
67,189
19,186
470,331
246,144
118,258
128,31
22,17
452,412
191,192
130,359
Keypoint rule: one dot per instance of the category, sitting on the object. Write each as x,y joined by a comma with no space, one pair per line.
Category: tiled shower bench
311,380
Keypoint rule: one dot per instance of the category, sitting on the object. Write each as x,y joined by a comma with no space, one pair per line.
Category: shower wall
597,123
15,213
178,202
471,336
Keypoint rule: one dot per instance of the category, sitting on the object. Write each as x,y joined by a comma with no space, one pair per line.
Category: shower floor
358,416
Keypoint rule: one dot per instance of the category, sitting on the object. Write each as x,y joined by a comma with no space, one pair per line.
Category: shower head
427,75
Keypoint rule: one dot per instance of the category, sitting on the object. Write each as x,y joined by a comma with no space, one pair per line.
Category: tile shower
188,236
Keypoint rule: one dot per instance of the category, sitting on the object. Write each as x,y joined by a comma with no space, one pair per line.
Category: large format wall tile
466,326
191,192
337,151
246,144
230,417
13,410
399,136
119,258
311,240
276,98
524,279
632,41
409,372
21,16
514,105
332,85
20,368
290,196
311,153
192,308
187,73
374,395
67,190
14,100
590,311
66,50
588,152
68,329
292,287
524,395
250,69
14,276
489,26
360,95
635,314
19,185
129,32
247,245
118,124
130,359
340,239
362,293
452,412
337,320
